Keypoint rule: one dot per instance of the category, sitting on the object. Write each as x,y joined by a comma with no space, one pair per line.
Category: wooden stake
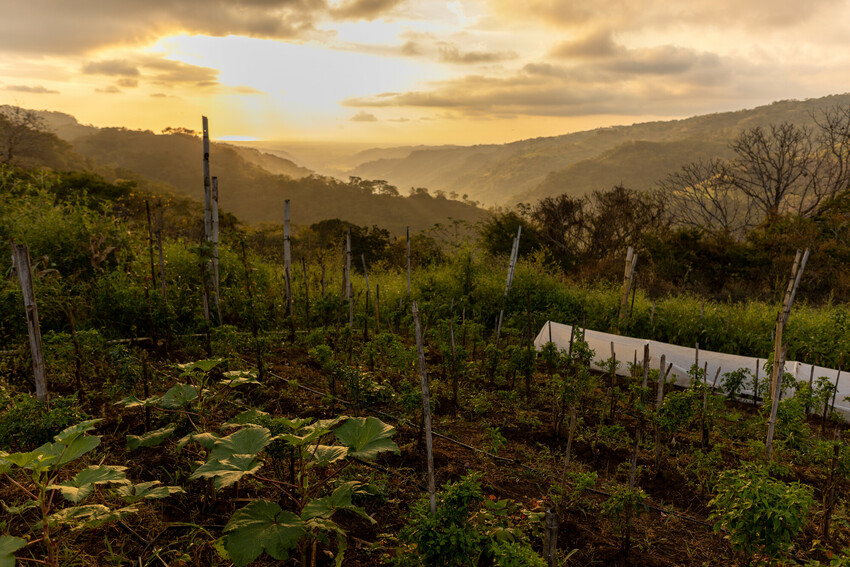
214,239
550,540
161,265
348,278
631,261
426,411
150,243
377,308
287,258
509,282
408,262
455,384
254,328
306,292
366,307
207,183
24,269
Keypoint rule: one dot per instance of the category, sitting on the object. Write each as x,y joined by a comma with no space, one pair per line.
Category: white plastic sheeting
683,358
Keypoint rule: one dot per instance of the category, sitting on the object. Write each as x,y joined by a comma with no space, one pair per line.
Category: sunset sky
415,71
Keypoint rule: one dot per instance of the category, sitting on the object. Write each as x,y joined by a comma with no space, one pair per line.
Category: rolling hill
578,163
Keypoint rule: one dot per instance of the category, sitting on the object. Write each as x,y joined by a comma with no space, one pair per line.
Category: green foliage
467,529
26,423
262,526
735,381
38,473
759,514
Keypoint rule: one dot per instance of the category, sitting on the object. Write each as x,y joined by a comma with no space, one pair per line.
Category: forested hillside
540,167
253,185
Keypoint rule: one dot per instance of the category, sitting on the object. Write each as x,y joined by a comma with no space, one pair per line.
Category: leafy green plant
316,494
37,474
467,529
27,423
759,514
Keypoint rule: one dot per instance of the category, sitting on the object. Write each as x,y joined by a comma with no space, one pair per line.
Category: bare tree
833,156
19,129
776,169
702,195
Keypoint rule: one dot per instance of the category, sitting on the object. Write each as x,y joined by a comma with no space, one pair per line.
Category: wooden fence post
348,278
426,411
24,269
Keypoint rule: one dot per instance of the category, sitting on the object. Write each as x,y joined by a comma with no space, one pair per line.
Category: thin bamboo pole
426,411
24,269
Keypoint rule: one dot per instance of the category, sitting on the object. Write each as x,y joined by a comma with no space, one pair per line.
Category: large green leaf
67,436
227,471
84,481
206,439
8,546
179,396
78,447
236,378
89,516
247,417
327,454
261,526
203,365
340,499
150,439
134,402
132,493
366,437
247,441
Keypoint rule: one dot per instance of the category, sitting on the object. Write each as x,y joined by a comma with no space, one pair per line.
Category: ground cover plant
290,430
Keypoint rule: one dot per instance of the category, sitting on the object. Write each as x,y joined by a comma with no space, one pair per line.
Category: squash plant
37,475
311,501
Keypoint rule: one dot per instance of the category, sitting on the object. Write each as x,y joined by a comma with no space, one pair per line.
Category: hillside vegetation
253,185
532,169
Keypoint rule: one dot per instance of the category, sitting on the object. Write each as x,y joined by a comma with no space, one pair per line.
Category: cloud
161,95
752,14
111,89
411,49
84,26
363,9
111,67
127,83
662,81
364,116
597,44
38,89
450,53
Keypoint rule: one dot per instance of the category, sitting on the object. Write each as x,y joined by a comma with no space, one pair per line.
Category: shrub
760,514
26,423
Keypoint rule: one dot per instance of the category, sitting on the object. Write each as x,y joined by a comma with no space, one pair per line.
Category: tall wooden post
509,282
161,265
426,410
408,262
306,292
207,182
631,261
214,240
366,308
150,243
24,269
287,259
348,278
778,346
